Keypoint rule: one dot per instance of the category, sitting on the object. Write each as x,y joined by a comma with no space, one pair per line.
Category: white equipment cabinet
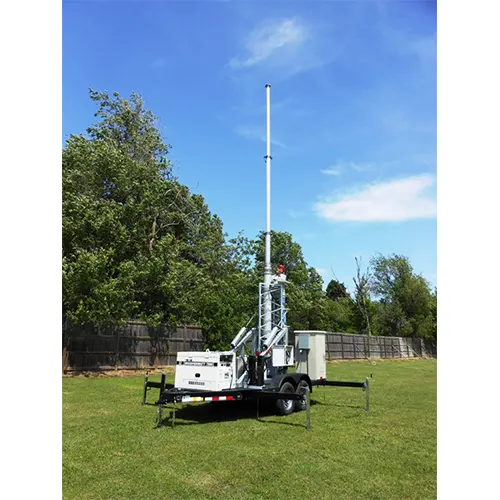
311,353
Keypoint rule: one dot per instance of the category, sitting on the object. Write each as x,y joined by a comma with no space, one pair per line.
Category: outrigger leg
160,416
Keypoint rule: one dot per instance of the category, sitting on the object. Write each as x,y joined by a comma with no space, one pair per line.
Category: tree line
139,245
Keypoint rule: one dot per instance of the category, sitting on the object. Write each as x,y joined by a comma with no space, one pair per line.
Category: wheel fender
293,378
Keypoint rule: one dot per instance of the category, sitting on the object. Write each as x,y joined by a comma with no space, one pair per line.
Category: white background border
468,248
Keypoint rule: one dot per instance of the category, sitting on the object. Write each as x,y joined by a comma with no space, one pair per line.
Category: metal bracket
172,415
308,408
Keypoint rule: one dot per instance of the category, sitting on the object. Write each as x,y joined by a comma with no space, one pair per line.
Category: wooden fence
136,345
354,346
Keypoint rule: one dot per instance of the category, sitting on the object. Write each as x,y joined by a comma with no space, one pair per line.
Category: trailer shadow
338,405
206,413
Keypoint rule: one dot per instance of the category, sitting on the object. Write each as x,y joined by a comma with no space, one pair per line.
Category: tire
286,406
301,389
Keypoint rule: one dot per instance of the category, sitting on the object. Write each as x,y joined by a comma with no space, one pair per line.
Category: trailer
291,393
258,364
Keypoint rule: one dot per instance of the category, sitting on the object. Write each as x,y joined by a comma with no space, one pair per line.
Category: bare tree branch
362,284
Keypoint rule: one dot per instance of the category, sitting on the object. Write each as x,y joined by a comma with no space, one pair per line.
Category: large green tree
405,298
136,243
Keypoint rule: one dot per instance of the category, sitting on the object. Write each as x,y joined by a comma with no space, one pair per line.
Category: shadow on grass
335,404
205,413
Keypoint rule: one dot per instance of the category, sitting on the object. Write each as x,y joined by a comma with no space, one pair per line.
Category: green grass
111,449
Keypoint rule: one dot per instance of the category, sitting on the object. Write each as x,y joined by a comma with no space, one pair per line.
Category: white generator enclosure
206,371
310,348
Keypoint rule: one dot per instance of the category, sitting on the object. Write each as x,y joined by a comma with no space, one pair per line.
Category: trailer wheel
285,406
301,389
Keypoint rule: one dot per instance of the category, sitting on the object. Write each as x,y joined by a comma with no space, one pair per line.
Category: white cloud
256,132
284,48
397,200
340,167
269,38
333,170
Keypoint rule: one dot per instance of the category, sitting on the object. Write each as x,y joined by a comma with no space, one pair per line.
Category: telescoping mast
258,360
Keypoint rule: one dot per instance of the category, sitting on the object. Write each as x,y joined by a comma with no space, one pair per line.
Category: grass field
111,449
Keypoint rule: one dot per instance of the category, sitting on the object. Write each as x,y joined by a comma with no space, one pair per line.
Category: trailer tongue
259,358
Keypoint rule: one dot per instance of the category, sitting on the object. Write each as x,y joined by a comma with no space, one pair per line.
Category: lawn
112,450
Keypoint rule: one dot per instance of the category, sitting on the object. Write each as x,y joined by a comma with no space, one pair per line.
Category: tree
336,290
433,310
130,128
405,297
136,243
362,296
340,316
284,251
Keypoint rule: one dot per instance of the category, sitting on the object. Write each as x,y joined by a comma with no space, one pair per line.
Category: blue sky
353,112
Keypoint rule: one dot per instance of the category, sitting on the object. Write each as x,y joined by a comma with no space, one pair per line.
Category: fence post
342,344
157,346
117,350
65,353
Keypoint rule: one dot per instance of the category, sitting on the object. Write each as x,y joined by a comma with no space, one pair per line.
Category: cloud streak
289,46
333,170
339,168
398,200
267,39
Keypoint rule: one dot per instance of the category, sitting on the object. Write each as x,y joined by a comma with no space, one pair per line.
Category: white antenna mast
267,262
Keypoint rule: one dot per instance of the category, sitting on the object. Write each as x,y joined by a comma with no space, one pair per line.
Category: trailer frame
169,395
